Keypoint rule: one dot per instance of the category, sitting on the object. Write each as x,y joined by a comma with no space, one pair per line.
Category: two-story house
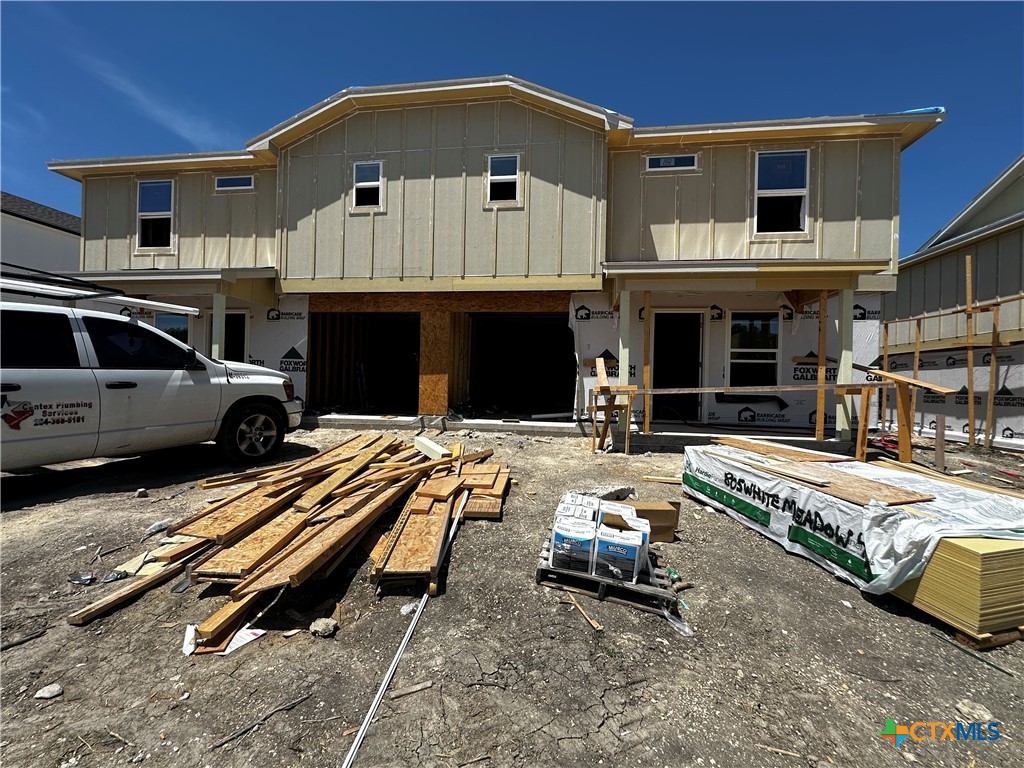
416,248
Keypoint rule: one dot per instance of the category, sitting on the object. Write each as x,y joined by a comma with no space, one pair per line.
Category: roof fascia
79,169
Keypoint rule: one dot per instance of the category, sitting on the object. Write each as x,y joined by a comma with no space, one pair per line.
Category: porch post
844,403
220,303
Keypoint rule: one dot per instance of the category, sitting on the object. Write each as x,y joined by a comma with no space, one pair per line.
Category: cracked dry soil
779,672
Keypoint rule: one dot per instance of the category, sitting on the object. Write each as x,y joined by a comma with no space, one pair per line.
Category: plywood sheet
441,488
240,559
415,553
780,451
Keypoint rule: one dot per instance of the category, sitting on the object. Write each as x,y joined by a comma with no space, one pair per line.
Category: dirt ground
787,666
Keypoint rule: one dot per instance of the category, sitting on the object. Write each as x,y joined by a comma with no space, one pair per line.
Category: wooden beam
903,417
900,379
993,380
862,424
917,366
884,394
819,420
227,618
940,442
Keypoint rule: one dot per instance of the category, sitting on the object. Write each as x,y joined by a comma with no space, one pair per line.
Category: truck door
49,402
149,399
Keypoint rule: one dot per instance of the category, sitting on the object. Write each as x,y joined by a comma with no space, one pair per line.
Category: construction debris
300,520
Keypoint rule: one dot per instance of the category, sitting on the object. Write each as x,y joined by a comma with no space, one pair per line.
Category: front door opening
234,336
677,363
364,362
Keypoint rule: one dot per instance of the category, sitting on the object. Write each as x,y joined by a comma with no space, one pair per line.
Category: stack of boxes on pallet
600,538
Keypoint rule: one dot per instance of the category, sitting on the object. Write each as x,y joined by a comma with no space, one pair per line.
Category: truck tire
251,433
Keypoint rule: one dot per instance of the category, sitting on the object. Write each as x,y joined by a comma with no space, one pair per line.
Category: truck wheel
251,433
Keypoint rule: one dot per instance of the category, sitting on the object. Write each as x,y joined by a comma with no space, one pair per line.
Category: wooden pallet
651,593
989,640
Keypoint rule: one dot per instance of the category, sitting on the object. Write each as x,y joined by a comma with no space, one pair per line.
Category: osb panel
435,350
470,301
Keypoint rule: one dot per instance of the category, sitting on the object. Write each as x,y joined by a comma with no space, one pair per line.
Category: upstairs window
503,179
155,214
672,163
781,192
754,349
367,188
234,184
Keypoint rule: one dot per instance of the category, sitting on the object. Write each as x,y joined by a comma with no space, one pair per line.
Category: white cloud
199,131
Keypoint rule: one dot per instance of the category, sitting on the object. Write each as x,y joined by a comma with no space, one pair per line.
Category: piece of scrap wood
323,489
660,479
597,627
394,474
411,689
429,448
469,458
440,489
778,751
482,508
420,505
124,594
228,618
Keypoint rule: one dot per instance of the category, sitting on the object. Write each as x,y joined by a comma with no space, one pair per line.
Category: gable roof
432,92
29,210
996,187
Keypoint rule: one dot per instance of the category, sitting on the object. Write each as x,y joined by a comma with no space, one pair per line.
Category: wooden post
647,361
993,380
862,424
970,354
883,394
819,420
903,420
940,442
917,365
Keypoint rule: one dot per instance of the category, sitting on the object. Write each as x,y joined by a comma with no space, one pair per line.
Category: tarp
875,547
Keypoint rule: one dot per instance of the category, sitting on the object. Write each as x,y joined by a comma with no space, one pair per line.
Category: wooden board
182,550
417,551
482,508
322,490
420,505
244,514
228,619
241,558
129,591
780,451
500,484
430,449
846,486
440,489
480,475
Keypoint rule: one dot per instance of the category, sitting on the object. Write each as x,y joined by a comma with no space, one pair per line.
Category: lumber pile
292,523
972,584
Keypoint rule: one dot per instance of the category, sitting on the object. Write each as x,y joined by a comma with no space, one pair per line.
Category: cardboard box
575,510
662,515
620,554
572,544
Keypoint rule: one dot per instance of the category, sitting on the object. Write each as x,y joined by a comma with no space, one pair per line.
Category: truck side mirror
192,362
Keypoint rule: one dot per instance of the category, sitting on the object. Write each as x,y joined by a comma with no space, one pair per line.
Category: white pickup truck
77,384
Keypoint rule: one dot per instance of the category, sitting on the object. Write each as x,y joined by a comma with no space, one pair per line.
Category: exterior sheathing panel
664,216
435,220
120,223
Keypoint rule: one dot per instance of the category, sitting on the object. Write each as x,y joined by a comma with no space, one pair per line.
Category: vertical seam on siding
561,201
676,250
433,184
711,202
857,199
465,171
527,180
401,187
894,209
494,218
316,201
595,218
819,213
381,192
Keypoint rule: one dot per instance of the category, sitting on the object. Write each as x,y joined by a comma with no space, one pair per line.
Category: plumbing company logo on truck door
14,413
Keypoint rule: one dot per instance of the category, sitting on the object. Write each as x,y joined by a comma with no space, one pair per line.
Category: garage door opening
364,362
521,366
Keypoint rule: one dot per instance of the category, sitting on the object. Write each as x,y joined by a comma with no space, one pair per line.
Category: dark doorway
677,362
364,362
521,365
234,336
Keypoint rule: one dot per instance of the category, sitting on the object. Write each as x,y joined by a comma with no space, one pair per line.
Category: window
121,344
234,184
173,325
781,192
367,188
672,163
37,340
155,214
754,349
503,179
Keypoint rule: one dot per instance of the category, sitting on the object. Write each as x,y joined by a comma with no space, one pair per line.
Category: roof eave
79,169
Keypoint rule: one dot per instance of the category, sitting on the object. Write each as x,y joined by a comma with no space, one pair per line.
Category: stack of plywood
301,520
976,585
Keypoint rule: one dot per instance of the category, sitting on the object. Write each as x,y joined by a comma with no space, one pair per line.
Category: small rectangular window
781,204
367,187
234,184
753,349
672,163
503,179
155,214
173,325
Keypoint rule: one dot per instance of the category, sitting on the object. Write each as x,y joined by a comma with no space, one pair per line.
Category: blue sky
85,80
